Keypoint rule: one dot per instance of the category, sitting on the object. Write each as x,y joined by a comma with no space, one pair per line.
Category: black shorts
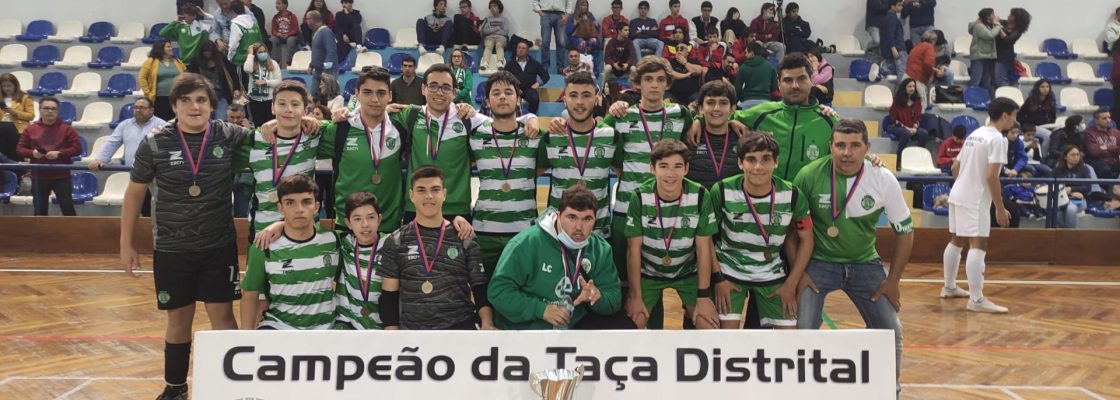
210,276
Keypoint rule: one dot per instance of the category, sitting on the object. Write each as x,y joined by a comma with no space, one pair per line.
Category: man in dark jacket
465,26
893,46
50,141
876,10
795,30
527,70
1102,143
920,13
347,29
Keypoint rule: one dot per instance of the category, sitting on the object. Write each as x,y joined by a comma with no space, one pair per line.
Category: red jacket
58,137
948,152
1095,138
608,26
766,29
739,50
670,24
923,59
285,25
710,58
909,116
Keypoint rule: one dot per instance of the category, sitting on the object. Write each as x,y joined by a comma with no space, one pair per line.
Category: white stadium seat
960,71
1085,48
427,60
1082,73
84,85
136,58
26,80
1029,48
301,62
128,32
878,97
961,45
405,39
95,115
113,192
1011,92
12,55
99,144
848,45
366,59
1030,79
68,31
75,57
1076,100
9,28
917,160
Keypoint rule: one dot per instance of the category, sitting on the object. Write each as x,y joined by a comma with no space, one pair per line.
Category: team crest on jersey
686,222
523,142
458,127
867,202
163,297
452,253
218,152
600,152
328,260
486,124
391,143
812,152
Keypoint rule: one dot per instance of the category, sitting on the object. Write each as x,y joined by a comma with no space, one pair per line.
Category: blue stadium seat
1103,98
1058,48
11,186
125,113
883,128
50,84
930,193
377,38
968,122
153,34
108,57
977,98
349,88
395,61
85,149
36,30
1053,72
85,187
480,93
1104,70
120,85
98,32
859,70
67,112
43,56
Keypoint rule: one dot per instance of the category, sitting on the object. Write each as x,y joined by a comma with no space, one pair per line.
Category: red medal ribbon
428,264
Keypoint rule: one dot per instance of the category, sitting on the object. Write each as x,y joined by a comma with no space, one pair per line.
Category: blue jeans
1002,74
859,282
1067,217
653,45
894,67
982,73
917,31
242,194
551,27
1039,170
426,37
221,108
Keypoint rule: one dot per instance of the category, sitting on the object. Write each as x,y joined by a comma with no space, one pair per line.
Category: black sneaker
173,393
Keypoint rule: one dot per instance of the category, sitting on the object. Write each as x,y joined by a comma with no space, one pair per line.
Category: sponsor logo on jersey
351,143
175,157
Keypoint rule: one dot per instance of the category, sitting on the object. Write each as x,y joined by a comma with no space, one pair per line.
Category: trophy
556,384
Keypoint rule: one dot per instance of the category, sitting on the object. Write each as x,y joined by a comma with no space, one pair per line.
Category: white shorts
969,222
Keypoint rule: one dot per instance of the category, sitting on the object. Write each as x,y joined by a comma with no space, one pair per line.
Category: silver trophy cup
556,384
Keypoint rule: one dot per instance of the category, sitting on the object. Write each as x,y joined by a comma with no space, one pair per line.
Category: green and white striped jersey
564,161
498,210
741,246
684,219
348,294
638,131
300,277
261,158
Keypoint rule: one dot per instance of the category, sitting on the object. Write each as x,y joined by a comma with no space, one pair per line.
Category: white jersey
985,146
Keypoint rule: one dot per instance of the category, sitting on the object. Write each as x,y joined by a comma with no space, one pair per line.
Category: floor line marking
5,381
71,378
1011,394
74,390
1090,393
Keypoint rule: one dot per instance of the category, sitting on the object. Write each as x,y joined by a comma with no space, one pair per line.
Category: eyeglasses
445,89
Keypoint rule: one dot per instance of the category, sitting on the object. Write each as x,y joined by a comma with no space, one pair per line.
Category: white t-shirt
7,116
985,146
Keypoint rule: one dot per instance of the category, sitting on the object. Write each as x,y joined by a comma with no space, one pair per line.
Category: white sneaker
954,293
439,50
986,306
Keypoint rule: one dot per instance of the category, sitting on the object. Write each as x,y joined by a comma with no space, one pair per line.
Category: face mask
769,15
568,242
262,56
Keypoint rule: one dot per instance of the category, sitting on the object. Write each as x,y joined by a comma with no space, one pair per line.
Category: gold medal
194,190
365,312
582,183
376,178
833,231
506,188
767,255
273,197
666,261
426,287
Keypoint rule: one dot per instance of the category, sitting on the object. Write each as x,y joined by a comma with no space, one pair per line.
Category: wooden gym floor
73,327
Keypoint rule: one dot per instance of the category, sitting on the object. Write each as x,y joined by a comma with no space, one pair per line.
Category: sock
176,361
952,263
974,266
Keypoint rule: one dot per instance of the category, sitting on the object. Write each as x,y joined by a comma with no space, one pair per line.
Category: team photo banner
269,365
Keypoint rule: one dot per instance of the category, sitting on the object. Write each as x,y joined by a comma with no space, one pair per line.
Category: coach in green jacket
558,274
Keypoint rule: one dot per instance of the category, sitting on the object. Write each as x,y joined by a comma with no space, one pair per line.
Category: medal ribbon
645,126
754,211
668,239
434,152
847,197
428,264
501,159
723,154
364,284
580,165
375,155
187,150
574,275
276,176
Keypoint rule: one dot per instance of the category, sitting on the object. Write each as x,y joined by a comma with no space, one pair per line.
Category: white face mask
262,56
570,243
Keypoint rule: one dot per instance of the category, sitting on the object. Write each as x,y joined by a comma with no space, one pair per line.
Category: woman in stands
16,112
462,74
264,75
822,76
156,76
1040,108
583,30
330,94
982,51
732,26
943,57
1017,23
1071,164
1070,135
215,67
905,116
328,18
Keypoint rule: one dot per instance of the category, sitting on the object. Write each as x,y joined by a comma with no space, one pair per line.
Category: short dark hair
237,7
1028,128
666,148
437,68
1099,111
376,74
296,184
461,2
891,3
50,99
849,126
145,99
795,61
1001,106
791,7
189,82
578,198
756,141
616,3
237,107
674,2
503,76
408,59
501,7
358,200
294,87
579,78
757,49
706,4
425,171
718,88
643,4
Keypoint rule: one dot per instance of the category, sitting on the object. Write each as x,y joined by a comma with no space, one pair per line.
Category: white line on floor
1011,394
74,390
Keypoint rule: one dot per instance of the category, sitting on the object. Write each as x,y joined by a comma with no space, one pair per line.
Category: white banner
798,364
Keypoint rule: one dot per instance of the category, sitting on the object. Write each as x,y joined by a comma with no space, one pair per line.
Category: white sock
951,260
974,266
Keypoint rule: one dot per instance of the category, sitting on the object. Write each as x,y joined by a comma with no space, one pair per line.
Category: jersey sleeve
715,202
513,272
707,225
800,204
240,158
254,270
328,133
897,212
634,216
687,118
542,150
143,166
478,275
390,258
997,152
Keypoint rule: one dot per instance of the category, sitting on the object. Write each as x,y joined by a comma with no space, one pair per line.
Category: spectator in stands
321,112
527,70
582,31
244,33
462,76
876,11
1112,31
50,141
1102,142
180,3
796,30
189,30
1020,199
554,15
348,29
756,79
669,25
223,18
263,75
435,29
619,57
678,42
258,14
949,149
1016,153
1113,202
732,27
128,134
944,56
16,108
645,32
982,51
575,64
893,46
730,68
610,23
739,48
765,26
921,65
710,56
158,73
406,89
1069,135
465,26
1036,151
906,116
1017,23
243,182
705,22
686,72
330,93
920,15
1071,165
324,51
495,35
822,76
326,17
1040,108
285,34
221,74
